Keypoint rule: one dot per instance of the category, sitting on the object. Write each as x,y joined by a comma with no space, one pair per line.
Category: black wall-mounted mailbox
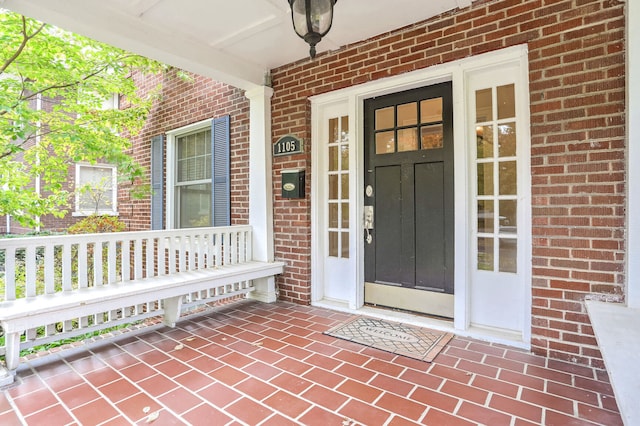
292,183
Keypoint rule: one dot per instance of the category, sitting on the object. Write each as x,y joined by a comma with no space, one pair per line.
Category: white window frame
113,211
170,181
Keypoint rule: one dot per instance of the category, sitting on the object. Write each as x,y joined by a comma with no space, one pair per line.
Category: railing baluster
30,272
137,259
49,269
125,258
112,259
10,274
82,264
161,256
151,248
172,255
181,253
66,267
98,274
192,240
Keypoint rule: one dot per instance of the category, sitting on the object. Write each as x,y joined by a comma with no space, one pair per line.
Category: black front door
409,191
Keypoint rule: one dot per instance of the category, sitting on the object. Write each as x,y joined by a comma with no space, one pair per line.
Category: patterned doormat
401,339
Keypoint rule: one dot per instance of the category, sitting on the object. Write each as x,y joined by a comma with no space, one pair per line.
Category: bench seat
617,330
19,315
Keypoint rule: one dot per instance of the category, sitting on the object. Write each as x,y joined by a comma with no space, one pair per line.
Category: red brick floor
269,364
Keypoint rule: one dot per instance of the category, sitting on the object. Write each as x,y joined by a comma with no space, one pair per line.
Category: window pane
484,106
333,244
333,215
95,188
508,178
333,130
432,136
385,118
408,114
484,140
344,161
344,194
194,205
485,179
431,110
333,187
408,139
345,245
507,140
508,216
345,215
344,122
333,158
194,157
385,143
507,261
485,216
506,101
485,254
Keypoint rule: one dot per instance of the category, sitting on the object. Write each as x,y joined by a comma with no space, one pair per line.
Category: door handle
368,223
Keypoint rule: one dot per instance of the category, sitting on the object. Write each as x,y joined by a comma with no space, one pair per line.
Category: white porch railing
32,267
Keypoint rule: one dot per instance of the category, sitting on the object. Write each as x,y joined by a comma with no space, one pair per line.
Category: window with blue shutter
201,187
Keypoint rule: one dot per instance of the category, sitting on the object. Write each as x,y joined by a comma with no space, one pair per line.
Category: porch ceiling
232,41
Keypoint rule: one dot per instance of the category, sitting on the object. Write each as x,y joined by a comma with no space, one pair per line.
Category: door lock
368,223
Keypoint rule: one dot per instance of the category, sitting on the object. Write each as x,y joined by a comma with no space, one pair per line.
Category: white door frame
354,97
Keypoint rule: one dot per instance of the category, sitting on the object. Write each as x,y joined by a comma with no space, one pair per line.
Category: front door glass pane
408,139
408,114
432,136
385,118
385,142
431,110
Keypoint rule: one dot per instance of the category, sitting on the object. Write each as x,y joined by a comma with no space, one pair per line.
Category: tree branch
25,39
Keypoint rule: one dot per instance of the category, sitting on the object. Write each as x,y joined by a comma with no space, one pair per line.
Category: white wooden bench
617,329
70,290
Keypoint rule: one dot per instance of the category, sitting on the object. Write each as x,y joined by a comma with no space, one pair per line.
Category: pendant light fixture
312,20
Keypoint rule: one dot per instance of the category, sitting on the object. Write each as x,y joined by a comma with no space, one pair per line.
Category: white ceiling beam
94,20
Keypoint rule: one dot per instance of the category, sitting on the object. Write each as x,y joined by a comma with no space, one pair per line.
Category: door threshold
405,317
408,312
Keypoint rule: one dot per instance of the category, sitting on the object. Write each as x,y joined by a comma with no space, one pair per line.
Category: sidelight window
338,174
496,179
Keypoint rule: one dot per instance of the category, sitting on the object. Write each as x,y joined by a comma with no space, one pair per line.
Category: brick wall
577,80
182,102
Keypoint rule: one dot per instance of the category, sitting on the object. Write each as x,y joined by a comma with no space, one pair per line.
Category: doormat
401,339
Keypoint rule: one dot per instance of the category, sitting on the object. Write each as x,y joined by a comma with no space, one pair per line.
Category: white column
260,186
633,153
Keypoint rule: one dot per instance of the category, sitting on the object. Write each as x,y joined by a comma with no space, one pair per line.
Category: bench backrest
30,266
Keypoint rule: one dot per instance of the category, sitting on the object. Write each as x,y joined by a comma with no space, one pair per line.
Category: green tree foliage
53,85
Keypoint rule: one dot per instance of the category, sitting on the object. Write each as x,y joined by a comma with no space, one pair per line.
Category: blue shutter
220,186
157,182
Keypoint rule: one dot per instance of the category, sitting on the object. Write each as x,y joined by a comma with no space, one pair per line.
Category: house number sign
287,145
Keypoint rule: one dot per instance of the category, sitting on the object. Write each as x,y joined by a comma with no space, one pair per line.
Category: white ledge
617,329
